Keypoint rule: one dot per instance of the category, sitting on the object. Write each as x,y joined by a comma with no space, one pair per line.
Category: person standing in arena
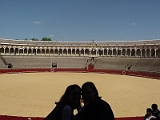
69,101
94,107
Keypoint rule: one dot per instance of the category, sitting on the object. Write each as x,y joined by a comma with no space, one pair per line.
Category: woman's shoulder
102,102
67,108
67,113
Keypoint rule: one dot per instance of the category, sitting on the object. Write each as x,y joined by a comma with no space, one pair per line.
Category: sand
34,94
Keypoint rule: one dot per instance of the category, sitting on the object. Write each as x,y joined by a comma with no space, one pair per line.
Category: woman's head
149,111
89,92
72,96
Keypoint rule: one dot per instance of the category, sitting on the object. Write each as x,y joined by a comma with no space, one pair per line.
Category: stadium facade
139,48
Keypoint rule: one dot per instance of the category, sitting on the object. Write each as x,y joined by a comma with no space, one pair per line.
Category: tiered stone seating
45,62
136,64
112,63
2,65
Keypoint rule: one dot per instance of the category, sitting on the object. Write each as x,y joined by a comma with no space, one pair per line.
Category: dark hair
149,110
154,106
92,86
69,89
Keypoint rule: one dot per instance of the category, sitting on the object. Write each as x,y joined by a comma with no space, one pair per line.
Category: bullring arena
35,75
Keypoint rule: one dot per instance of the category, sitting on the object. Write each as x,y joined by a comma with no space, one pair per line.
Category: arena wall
4,117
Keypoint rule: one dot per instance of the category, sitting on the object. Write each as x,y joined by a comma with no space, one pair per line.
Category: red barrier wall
25,70
132,73
4,117
120,72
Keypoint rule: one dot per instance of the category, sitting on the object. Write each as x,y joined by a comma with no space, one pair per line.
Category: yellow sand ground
34,94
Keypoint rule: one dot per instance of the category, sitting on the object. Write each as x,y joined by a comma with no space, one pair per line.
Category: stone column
23,51
14,51
67,51
155,50
84,52
116,52
150,52
32,50
107,51
103,51
130,52
75,51
58,51
9,50
145,54
71,51
45,51
4,50
62,51
90,51
36,50
27,50
53,51
112,51
121,51
125,52
96,51
135,51
49,50
141,52
41,51
18,51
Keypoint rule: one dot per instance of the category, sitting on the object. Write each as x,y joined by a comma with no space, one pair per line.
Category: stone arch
87,52
147,53
93,51
132,52
77,52
82,52
123,52
138,53
109,51
64,51
105,52
1,49
143,52
56,51
114,51
60,51
11,51
7,50
69,51
128,52
38,51
73,51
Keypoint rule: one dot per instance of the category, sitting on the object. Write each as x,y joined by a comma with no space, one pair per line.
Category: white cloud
37,22
133,23
51,35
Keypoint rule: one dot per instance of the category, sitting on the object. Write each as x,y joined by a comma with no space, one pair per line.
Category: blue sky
80,20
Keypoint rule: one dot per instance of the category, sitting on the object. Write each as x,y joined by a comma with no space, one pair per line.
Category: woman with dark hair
94,107
149,114
69,101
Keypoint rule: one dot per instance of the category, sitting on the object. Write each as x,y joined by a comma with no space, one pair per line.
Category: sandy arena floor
34,94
